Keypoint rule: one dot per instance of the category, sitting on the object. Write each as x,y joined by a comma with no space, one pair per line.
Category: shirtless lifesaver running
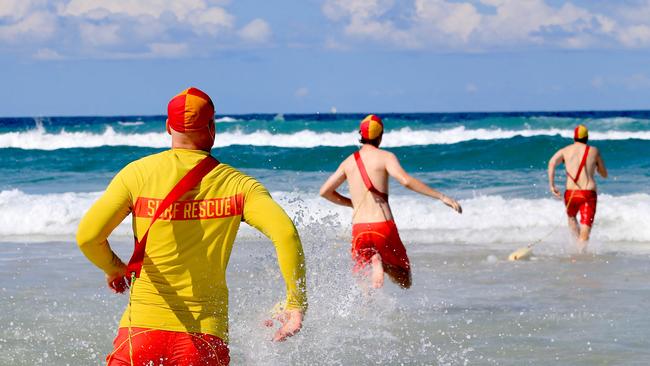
580,195
375,239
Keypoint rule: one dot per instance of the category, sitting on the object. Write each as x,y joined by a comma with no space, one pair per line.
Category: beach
465,307
468,304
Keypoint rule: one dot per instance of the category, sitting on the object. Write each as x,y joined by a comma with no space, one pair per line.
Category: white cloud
99,9
364,20
365,9
635,36
301,92
632,82
168,50
257,31
123,28
16,9
598,82
196,15
99,35
452,19
471,88
47,54
333,44
488,24
212,21
36,26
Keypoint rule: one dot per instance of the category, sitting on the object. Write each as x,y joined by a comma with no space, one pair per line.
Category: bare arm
396,171
600,165
555,160
328,190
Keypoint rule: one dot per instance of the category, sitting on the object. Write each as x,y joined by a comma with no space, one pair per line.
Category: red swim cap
371,127
191,110
580,132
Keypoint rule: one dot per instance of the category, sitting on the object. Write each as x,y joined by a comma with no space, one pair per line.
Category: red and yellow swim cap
191,110
580,132
371,127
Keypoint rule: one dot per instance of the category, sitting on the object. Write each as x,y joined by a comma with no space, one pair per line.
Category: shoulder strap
580,167
366,178
190,180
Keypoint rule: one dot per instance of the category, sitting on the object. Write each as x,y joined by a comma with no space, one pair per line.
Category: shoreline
462,308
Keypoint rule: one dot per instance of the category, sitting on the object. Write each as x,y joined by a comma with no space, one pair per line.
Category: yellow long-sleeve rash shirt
182,285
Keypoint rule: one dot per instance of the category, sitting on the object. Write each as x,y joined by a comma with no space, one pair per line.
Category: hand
117,281
291,321
555,191
452,203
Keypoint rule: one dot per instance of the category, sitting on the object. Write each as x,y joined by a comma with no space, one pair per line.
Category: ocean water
468,305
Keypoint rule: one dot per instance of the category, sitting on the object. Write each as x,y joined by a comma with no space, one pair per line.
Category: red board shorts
369,239
163,347
581,200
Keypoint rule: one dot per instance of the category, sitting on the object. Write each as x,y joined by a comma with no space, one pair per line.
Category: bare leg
574,227
377,271
583,239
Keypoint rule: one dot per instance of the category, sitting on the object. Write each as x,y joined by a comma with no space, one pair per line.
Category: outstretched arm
328,190
396,171
555,160
264,214
600,165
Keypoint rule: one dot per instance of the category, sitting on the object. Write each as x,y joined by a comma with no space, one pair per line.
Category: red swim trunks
168,348
383,238
583,201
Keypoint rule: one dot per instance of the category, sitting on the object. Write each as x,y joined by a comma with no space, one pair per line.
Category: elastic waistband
581,191
374,224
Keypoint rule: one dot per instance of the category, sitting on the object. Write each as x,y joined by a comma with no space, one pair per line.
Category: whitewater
486,220
39,139
468,304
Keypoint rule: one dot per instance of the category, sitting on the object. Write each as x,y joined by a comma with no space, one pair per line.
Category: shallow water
468,306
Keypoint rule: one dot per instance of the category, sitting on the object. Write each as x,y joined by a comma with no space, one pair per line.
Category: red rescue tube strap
366,178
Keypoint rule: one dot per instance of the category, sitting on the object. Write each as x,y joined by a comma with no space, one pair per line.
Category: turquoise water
44,154
468,306
471,156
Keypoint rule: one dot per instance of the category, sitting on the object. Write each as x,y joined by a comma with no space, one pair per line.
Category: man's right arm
396,171
555,160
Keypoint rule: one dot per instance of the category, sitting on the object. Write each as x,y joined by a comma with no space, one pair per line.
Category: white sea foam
39,139
130,123
226,119
485,220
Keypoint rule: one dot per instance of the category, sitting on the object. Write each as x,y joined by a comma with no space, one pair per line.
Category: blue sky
126,57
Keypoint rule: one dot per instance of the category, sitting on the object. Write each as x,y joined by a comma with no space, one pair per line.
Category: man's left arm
264,214
328,189
600,165
395,170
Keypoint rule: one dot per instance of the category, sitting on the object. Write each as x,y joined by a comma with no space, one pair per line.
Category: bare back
572,156
368,207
